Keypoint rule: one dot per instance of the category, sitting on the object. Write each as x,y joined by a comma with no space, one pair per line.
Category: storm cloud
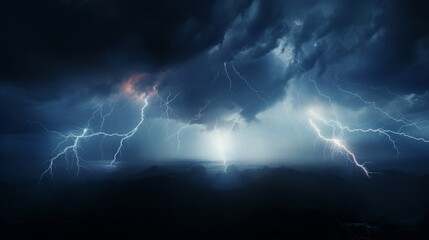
251,62
86,48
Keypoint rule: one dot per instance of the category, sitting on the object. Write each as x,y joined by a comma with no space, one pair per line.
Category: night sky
233,81
215,119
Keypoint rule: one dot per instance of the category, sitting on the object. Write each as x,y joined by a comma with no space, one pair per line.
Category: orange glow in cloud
129,87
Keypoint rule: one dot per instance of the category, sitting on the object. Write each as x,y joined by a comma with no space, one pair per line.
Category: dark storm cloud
57,48
371,42
13,107
45,42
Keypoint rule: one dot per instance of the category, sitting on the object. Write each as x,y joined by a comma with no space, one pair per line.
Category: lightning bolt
257,92
404,121
103,117
220,146
403,98
131,132
386,132
179,131
87,133
165,104
227,75
166,111
335,124
239,75
73,147
339,146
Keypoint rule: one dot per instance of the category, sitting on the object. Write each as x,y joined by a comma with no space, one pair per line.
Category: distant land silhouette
263,203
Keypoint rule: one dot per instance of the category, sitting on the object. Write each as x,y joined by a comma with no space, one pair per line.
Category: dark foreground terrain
264,203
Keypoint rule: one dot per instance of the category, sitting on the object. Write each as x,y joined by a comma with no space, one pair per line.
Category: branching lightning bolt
179,131
386,132
339,145
167,110
87,134
73,147
335,124
131,132
257,92
374,105
103,117
239,75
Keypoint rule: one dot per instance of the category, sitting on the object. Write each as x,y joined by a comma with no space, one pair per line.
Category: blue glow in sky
302,83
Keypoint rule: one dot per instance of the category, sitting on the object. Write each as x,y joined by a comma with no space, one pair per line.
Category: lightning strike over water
220,147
